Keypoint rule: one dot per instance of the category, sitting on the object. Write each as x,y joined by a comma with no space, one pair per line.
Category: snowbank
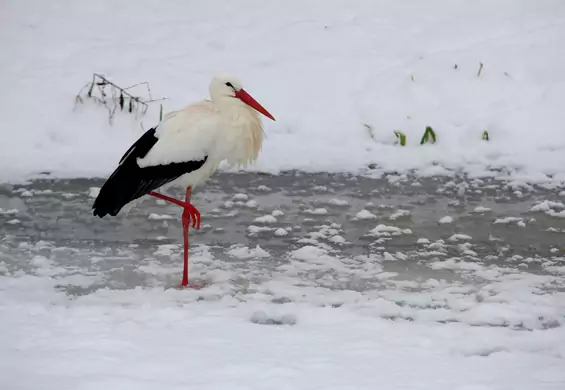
338,76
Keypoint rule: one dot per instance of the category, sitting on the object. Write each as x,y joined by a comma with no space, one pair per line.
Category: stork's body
185,149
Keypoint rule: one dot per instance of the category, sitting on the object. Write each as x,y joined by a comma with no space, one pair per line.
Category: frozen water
88,302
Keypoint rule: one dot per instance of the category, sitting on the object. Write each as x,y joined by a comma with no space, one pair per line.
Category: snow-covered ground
339,76
154,339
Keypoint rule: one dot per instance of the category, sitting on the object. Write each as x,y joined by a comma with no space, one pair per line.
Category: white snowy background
325,70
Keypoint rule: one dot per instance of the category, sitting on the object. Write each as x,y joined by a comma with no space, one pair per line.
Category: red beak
247,99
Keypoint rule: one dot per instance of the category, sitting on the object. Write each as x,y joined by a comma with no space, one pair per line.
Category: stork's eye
230,85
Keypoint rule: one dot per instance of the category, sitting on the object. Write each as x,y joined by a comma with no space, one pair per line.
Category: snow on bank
353,72
154,339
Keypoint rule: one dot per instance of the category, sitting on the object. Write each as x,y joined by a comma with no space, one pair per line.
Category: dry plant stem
117,96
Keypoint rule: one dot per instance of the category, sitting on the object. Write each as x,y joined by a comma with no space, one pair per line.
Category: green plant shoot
426,137
401,137
485,136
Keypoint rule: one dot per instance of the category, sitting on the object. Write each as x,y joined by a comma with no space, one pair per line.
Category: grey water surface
53,219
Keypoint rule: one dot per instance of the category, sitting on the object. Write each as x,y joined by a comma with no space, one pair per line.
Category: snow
365,214
277,213
508,220
459,236
386,230
366,69
240,197
253,229
338,202
8,211
280,232
159,217
244,252
553,209
547,205
265,219
251,204
445,220
316,211
337,239
263,188
399,214
93,192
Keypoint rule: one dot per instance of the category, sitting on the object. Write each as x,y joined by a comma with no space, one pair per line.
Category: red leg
190,214
189,209
185,225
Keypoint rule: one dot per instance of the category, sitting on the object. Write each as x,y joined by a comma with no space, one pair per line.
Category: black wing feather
130,182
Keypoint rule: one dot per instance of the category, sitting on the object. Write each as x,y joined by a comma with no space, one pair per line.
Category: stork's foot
193,286
190,215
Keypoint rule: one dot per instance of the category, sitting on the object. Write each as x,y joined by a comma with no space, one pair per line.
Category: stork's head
224,87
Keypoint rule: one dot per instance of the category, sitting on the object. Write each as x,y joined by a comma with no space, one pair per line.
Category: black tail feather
121,188
129,182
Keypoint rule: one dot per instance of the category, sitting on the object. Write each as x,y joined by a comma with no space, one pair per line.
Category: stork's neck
242,128
229,105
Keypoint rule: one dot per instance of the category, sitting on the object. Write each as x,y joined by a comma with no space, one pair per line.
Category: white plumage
223,128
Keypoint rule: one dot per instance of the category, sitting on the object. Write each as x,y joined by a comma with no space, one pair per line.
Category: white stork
185,149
